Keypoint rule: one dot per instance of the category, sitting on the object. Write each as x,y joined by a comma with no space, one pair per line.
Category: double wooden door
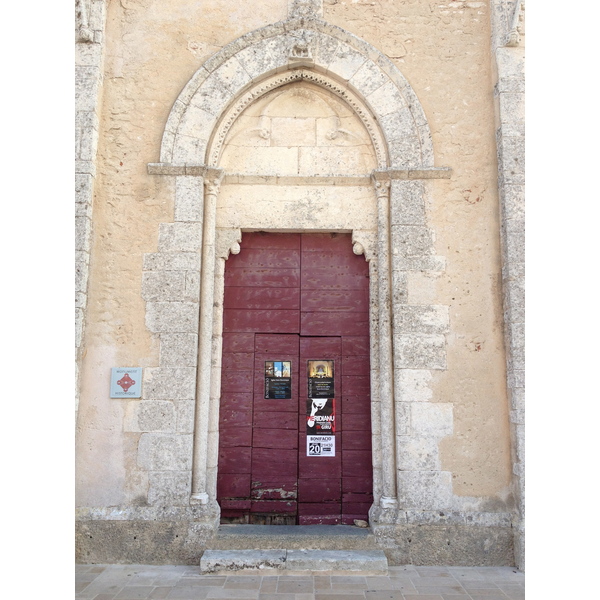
290,299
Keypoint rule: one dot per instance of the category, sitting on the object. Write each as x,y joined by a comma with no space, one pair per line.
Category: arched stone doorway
383,208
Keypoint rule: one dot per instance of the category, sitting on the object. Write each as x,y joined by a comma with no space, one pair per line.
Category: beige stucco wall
443,49
152,49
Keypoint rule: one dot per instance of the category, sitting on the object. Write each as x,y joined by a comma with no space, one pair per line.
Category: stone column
508,49
212,182
89,79
227,242
389,498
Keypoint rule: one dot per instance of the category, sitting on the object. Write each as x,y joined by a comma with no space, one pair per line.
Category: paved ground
130,582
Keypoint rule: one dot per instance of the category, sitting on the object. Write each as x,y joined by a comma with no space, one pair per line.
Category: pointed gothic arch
311,50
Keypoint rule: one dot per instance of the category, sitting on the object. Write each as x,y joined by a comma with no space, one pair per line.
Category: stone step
278,561
293,537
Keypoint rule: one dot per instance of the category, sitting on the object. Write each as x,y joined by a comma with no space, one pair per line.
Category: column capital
212,180
382,182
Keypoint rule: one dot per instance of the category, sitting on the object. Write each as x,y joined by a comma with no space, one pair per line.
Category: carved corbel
364,242
228,242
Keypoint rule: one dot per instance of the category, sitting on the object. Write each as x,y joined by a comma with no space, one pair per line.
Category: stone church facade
396,127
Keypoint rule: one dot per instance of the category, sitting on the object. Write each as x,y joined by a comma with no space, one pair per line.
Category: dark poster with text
278,380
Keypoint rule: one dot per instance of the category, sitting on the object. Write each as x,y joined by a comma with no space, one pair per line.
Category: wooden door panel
272,321
359,404
234,417
320,347
270,463
334,300
275,241
352,441
319,490
237,341
236,436
274,488
294,297
287,344
283,420
234,485
275,438
239,361
358,385
357,364
268,258
354,345
235,460
337,278
356,463
275,506
260,298
327,242
236,381
334,323
317,467
263,278
357,485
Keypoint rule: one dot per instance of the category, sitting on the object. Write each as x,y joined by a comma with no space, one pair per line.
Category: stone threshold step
296,537
294,562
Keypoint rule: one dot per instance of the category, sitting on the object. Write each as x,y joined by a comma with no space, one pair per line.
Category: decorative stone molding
84,32
228,242
306,8
279,80
364,243
303,48
267,179
259,62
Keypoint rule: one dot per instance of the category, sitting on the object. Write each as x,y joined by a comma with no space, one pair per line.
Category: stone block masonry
89,68
294,126
508,52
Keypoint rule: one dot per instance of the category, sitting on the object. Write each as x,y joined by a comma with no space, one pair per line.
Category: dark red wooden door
294,298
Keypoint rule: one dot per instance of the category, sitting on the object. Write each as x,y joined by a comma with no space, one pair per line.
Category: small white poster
320,445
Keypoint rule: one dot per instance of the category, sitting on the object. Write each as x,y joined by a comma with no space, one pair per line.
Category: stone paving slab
148,582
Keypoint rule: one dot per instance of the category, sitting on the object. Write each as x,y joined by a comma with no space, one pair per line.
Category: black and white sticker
320,445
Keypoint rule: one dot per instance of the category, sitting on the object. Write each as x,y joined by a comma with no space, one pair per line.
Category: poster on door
320,445
320,416
278,379
320,379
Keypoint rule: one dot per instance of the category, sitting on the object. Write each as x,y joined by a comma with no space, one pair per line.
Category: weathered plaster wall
152,50
443,49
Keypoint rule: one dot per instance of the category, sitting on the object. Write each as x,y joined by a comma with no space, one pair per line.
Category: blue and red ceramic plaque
126,382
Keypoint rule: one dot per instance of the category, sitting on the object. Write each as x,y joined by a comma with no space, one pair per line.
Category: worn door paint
294,297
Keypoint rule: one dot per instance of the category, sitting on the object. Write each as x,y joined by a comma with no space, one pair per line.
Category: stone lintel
282,179
426,173
197,170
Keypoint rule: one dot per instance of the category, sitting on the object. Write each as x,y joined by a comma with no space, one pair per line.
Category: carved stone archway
407,341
